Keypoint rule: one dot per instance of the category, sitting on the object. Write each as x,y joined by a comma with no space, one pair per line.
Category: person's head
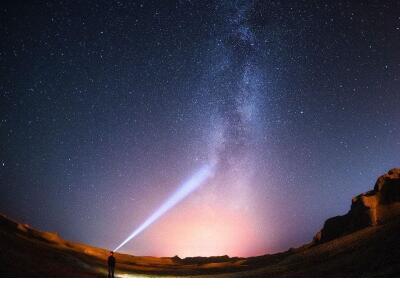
111,253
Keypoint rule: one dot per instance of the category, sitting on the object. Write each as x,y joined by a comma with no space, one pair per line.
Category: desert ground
363,243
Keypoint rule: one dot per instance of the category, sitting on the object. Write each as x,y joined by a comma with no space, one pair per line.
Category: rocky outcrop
369,209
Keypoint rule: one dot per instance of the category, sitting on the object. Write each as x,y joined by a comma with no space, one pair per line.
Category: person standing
111,265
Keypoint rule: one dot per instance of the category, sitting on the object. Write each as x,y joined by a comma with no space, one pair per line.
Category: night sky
108,106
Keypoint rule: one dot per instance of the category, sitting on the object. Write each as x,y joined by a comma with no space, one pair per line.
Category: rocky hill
375,207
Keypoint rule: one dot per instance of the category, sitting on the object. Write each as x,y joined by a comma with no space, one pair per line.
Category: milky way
107,107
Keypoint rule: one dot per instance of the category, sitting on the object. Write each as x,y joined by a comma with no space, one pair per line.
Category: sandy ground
371,252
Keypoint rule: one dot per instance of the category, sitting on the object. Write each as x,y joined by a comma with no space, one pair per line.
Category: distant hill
363,243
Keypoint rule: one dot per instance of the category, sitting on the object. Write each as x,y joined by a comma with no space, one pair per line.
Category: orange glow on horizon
195,229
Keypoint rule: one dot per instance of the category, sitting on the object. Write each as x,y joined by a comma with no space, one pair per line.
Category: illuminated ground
371,252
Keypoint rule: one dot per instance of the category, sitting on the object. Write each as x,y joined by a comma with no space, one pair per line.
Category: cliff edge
375,207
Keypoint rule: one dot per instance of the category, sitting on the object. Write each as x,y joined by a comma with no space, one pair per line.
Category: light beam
180,194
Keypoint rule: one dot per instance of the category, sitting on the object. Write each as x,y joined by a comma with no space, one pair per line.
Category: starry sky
108,106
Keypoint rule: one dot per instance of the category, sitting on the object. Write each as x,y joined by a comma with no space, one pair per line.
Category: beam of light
180,194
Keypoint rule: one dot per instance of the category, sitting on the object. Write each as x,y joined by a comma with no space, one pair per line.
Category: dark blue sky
107,106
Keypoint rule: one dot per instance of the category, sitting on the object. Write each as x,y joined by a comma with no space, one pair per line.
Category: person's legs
112,272
109,272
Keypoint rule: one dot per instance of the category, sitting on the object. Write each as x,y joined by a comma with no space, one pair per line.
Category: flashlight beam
180,194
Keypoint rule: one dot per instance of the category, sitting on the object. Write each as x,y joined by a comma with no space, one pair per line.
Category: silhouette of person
111,264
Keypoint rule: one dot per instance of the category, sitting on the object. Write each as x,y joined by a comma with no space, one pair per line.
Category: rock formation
369,209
